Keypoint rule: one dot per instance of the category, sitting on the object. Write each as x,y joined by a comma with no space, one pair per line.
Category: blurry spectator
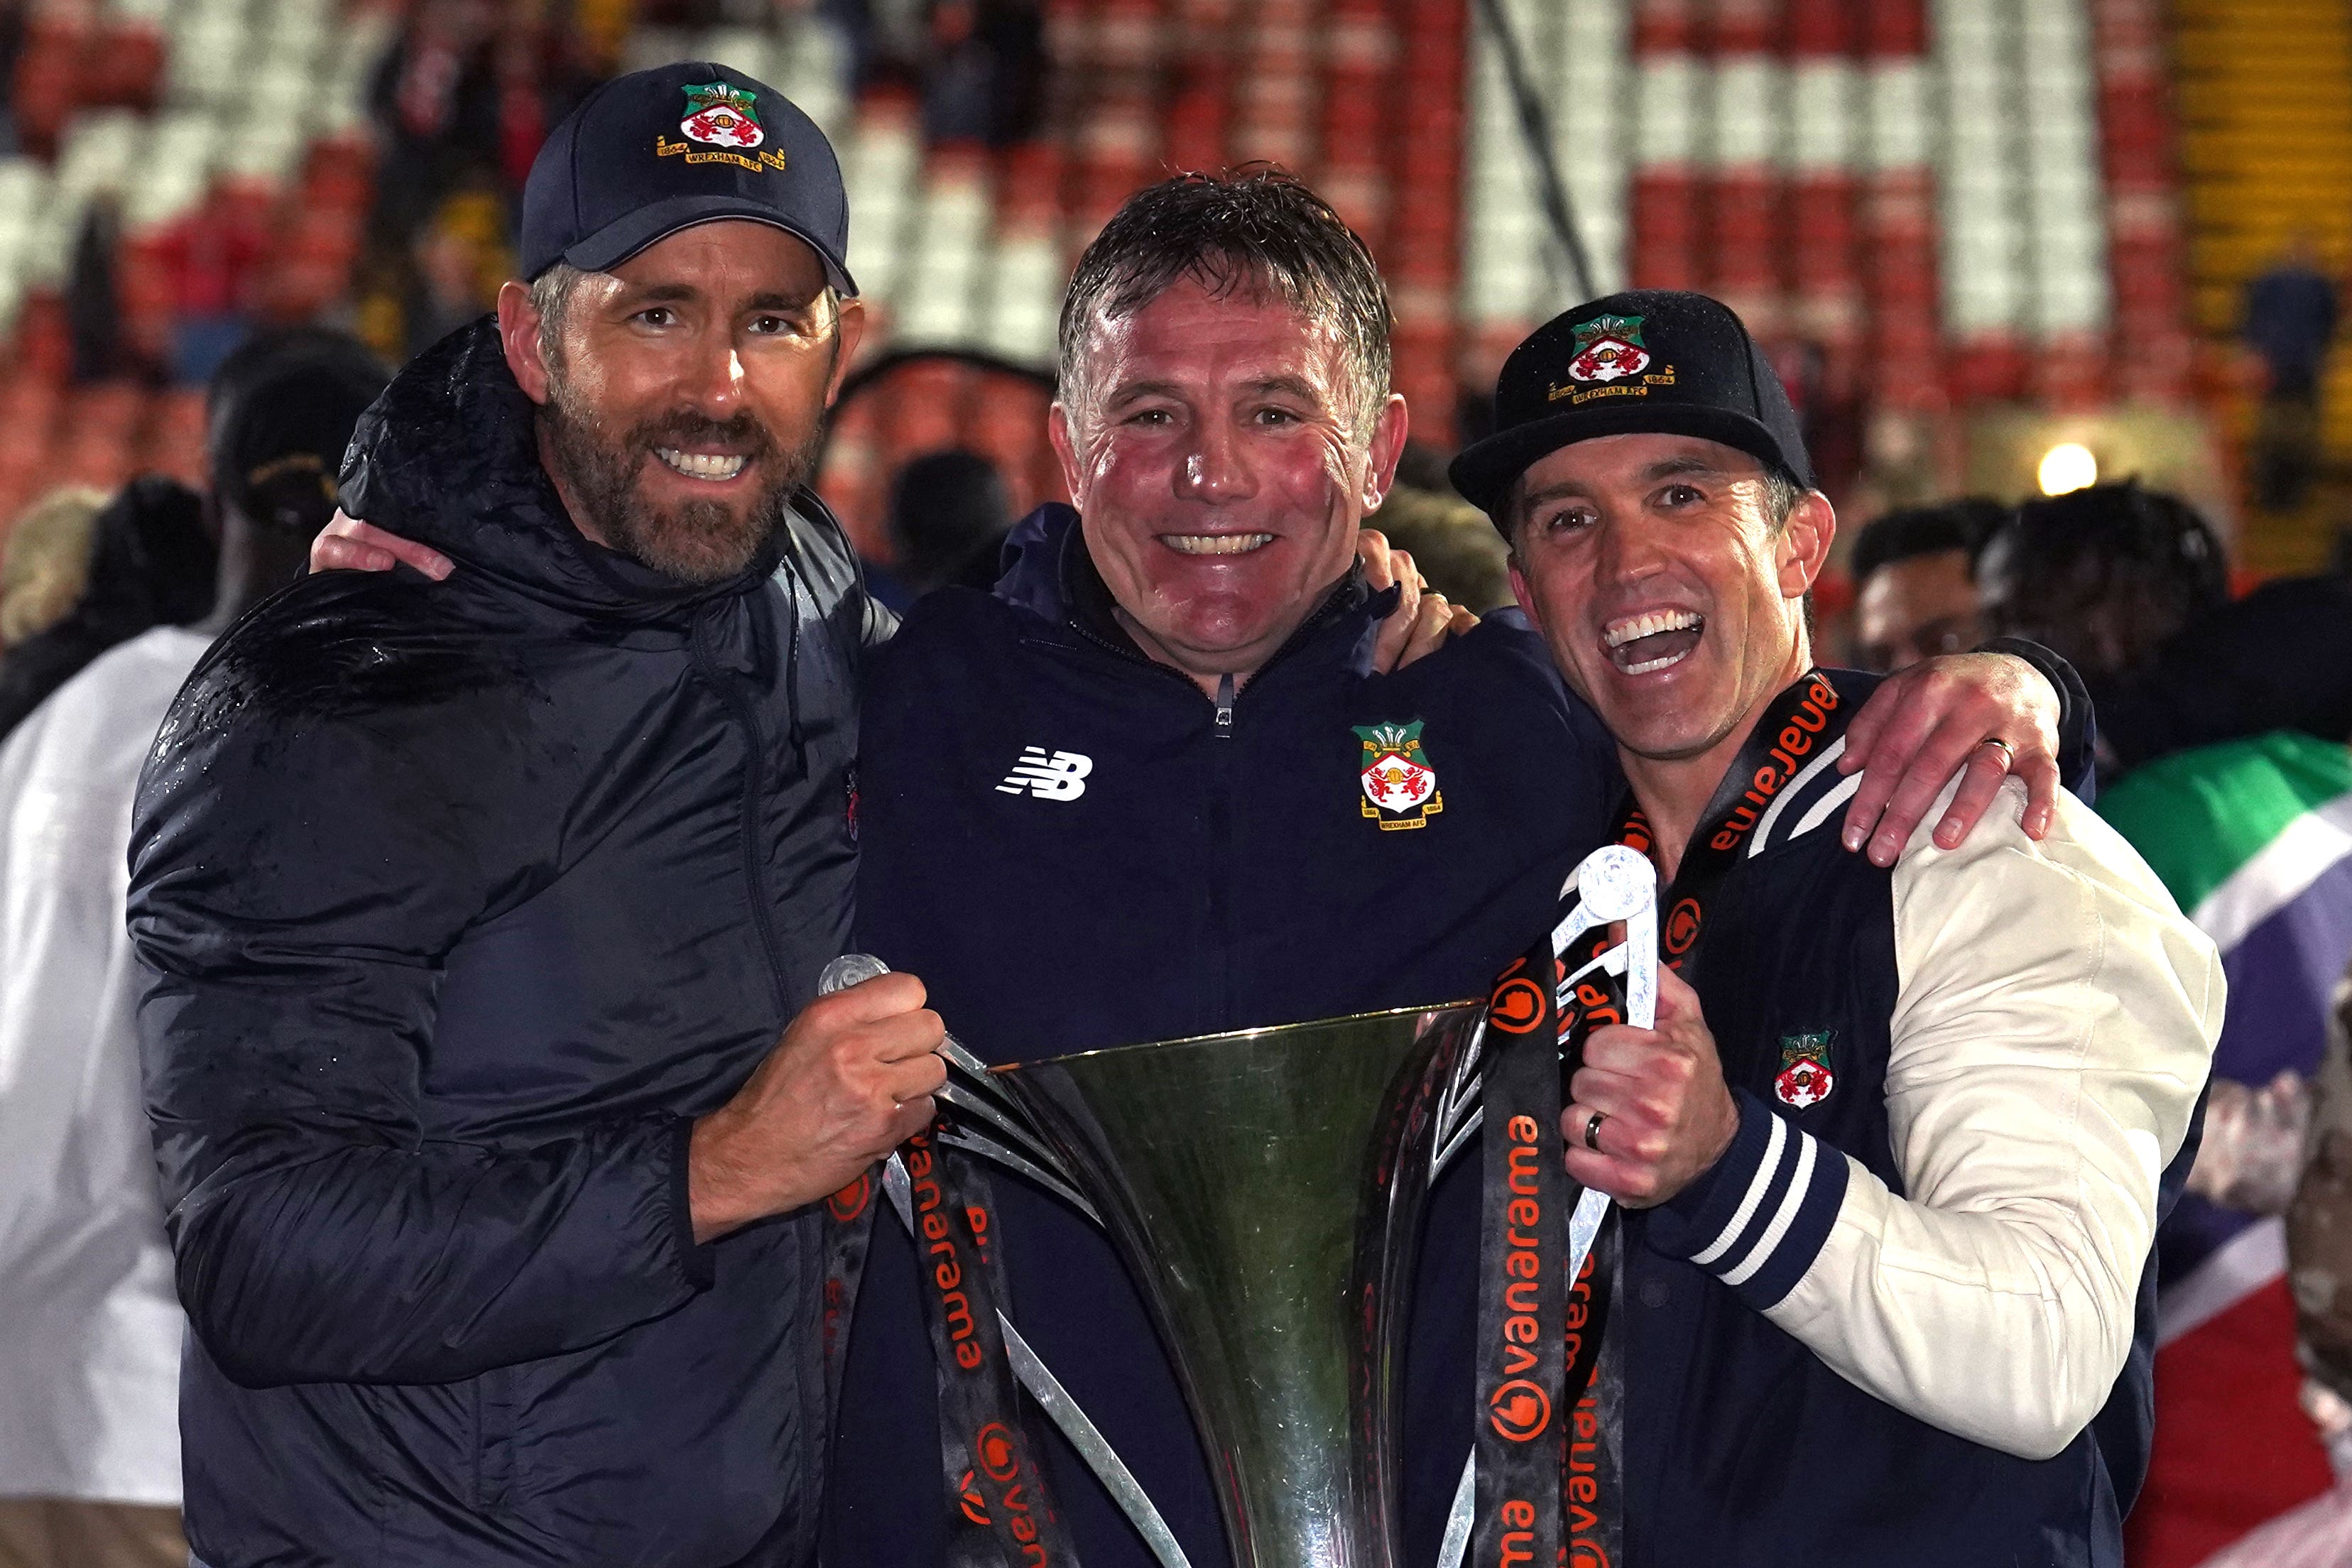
2279,659
459,260
93,302
46,562
2103,576
152,565
2290,319
2250,838
2319,1258
2248,834
2129,584
436,97
1452,545
949,517
90,1459
1914,596
216,251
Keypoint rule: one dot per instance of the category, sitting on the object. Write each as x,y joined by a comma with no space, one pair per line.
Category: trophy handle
983,1102
1043,1387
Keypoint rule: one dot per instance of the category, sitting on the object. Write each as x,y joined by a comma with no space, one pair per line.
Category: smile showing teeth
1215,543
1652,640
702,465
1649,625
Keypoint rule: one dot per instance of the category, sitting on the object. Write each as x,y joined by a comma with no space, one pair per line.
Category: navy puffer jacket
458,902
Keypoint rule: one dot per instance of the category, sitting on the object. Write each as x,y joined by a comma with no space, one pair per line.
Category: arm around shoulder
2053,1027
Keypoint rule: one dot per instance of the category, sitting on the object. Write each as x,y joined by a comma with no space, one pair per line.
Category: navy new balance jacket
1065,846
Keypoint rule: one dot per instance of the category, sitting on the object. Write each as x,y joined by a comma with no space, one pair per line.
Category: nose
1216,468
1628,553
713,378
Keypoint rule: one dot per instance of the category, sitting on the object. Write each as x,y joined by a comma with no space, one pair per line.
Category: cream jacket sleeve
2054,1026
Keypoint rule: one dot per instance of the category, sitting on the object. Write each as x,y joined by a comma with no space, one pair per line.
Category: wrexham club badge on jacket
1400,786
1805,1077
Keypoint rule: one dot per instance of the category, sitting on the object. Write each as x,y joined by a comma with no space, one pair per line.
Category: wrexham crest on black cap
725,120
1608,347
1648,362
654,151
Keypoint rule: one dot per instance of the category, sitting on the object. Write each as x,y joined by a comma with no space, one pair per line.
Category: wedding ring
1592,1128
2008,752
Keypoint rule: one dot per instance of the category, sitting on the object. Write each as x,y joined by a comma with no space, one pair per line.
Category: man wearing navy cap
482,921
1897,1146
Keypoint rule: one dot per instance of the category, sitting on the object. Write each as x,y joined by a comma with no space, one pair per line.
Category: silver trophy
1265,1189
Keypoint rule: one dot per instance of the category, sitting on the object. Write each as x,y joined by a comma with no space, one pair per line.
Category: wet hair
1255,230
1962,524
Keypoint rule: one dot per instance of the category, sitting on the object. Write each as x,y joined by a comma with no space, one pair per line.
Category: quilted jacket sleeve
299,874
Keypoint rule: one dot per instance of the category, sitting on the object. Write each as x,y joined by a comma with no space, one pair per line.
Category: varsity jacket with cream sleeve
1909,1317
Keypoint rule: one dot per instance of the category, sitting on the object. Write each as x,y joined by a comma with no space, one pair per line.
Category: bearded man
473,914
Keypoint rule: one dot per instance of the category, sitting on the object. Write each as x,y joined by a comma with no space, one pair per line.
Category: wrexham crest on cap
1608,347
721,116
722,126
1400,786
1805,1077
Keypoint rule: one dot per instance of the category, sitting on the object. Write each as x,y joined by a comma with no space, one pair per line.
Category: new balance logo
1061,776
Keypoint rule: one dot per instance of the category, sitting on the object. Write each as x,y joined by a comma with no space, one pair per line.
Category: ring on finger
2007,751
1592,1128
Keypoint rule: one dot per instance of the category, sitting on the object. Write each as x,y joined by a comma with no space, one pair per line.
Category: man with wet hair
1135,795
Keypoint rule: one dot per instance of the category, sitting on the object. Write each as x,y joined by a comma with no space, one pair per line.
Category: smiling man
1897,1146
1162,782
483,919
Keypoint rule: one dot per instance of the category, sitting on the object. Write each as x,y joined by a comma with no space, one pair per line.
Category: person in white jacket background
90,1325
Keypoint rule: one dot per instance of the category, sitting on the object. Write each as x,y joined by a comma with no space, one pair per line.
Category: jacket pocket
495,1399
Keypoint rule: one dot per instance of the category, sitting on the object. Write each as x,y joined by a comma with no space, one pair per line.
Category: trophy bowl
1264,1188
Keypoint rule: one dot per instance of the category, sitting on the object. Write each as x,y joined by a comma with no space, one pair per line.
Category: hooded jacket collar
449,456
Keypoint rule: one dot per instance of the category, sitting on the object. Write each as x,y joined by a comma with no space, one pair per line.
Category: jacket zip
755,770
1218,808
1228,693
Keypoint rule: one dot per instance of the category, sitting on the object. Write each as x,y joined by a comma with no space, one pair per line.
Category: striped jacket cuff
1758,1219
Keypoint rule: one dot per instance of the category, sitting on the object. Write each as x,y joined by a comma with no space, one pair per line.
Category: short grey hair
1257,229
551,295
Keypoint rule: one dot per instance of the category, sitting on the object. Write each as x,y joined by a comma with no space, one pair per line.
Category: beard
695,541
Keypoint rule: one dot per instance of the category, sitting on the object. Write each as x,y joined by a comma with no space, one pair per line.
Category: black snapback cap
657,151
1647,361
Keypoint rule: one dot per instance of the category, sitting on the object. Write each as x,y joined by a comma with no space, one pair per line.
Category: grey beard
699,541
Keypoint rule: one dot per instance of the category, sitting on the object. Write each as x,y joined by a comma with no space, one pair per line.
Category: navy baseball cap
1647,361
657,151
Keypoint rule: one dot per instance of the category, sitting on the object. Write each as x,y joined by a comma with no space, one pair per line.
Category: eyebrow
1298,387
1665,469
680,294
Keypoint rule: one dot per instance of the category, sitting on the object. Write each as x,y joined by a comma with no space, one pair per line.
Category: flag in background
2254,841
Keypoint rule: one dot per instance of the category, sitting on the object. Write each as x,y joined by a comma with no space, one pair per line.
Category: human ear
848,331
519,324
1389,432
1065,443
1802,548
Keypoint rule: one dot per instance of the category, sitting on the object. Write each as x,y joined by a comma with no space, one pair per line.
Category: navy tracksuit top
1196,877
